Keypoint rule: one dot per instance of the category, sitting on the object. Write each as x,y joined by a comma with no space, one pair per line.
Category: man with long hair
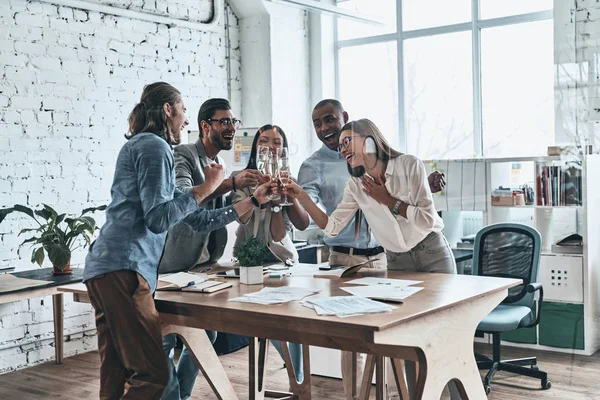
185,248
121,267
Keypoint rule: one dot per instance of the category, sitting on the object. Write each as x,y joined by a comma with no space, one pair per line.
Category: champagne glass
263,154
262,160
273,167
284,172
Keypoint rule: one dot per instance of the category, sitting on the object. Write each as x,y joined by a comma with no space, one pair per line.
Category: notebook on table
188,282
341,272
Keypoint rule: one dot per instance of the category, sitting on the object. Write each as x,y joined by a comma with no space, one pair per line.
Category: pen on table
384,283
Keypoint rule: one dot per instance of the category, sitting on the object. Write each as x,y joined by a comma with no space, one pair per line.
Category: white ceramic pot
251,275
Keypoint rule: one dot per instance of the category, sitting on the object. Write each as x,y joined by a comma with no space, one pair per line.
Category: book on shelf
559,185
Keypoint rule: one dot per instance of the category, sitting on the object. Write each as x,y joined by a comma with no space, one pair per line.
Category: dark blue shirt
145,204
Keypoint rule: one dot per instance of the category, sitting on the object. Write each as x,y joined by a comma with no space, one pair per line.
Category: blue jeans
296,356
181,379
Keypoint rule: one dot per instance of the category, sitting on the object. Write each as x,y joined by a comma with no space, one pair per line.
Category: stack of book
559,185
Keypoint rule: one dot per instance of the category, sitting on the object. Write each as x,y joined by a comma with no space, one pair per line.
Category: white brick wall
68,80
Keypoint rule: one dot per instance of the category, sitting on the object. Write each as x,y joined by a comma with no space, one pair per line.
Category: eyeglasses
226,122
345,144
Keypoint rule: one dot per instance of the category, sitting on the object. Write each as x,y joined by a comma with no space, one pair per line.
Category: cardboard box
509,201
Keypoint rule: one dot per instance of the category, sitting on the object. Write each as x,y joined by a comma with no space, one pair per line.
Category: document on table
180,280
382,292
276,295
346,306
383,281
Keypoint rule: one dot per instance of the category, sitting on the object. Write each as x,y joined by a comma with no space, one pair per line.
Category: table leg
58,308
379,378
302,390
444,343
365,386
206,358
398,369
257,356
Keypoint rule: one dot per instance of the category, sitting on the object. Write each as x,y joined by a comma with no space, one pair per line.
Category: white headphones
370,146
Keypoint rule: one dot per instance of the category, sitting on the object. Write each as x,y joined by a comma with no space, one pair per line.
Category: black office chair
510,251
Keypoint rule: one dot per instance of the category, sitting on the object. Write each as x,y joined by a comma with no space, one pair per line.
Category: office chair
510,251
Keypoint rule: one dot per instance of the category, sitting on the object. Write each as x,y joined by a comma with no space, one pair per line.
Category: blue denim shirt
323,176
145,204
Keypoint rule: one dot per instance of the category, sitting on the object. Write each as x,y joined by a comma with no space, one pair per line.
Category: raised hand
261,193
436,181
214,174
376,189
247,178
292,190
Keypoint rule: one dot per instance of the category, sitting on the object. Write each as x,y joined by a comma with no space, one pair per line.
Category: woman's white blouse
406,180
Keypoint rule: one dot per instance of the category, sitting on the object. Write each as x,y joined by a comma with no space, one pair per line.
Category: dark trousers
133,364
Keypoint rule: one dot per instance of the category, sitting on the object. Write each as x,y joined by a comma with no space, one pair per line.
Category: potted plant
251,256
56,234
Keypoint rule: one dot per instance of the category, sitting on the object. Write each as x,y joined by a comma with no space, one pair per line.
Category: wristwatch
276,209
396,209
255,201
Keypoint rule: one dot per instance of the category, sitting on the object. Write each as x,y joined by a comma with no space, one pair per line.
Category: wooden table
434,327
45,274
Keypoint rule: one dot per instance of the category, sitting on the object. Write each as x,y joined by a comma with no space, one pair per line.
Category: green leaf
23,209
4,212
50,210
90,221
59,255
93,209
38,256
47,215
60,218
28,230
31,239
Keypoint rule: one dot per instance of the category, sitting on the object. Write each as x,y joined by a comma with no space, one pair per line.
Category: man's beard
219,142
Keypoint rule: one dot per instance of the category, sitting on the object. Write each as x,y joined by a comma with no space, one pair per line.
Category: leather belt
359,252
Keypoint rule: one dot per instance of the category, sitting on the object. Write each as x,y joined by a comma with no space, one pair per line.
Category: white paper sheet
383,281
382,291
348,305
275,295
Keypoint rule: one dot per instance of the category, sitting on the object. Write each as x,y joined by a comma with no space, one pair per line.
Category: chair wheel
535,367
546,384
488,389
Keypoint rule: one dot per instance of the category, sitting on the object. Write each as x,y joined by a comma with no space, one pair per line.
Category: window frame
475,26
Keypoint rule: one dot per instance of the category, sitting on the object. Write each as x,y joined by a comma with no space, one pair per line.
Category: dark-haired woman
392,191
121,267
272,223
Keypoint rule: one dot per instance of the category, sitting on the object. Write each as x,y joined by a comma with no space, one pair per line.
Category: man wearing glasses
186,249
323,177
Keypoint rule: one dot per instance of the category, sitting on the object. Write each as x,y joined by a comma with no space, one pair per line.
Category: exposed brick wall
68,80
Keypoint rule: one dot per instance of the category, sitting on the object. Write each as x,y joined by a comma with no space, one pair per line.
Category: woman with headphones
392,191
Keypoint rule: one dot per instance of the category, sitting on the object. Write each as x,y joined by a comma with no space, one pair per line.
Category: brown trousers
133,364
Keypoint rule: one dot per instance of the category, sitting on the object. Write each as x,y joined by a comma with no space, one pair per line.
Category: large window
374,95
462,78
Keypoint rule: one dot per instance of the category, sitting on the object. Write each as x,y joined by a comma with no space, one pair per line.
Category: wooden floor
573,378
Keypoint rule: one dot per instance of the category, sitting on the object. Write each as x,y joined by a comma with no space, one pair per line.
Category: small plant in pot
56,234
251,256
